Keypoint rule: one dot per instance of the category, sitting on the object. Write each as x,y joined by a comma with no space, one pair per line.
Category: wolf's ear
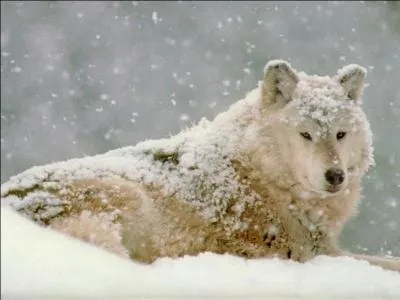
278,83
351,78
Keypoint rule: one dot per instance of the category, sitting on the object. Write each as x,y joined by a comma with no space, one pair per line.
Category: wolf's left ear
351,78
279,82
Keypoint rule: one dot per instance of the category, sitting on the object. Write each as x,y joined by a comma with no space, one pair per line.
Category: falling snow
105,61
155,18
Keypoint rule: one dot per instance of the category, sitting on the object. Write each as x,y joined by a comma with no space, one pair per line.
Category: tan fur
290,214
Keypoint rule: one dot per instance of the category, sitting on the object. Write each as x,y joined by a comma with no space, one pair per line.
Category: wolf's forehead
317,88
319,99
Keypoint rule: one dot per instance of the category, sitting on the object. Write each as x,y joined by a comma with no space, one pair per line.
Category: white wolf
277,174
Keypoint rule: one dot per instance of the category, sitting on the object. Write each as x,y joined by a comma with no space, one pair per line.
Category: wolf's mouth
325,191
330,190
333,189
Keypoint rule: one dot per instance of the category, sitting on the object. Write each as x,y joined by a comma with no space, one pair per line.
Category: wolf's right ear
351,78
279,82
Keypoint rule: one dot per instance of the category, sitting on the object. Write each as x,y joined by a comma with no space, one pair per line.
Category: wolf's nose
334,176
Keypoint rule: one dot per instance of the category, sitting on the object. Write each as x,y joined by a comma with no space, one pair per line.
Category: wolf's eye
340,135
306,135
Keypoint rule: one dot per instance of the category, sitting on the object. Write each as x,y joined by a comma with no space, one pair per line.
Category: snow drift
38,263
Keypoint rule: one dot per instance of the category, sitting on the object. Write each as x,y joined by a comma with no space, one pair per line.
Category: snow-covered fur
277,174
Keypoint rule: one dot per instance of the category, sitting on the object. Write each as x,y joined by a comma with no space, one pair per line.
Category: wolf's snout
334,176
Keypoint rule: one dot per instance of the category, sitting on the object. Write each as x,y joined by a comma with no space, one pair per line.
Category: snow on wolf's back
187,164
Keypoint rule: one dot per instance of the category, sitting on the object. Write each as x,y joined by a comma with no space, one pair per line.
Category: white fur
248,183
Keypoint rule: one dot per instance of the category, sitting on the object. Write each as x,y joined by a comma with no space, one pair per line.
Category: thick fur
253,182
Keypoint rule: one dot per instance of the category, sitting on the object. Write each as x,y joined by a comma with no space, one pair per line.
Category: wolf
278,174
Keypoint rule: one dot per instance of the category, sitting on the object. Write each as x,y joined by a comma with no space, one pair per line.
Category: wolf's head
318,125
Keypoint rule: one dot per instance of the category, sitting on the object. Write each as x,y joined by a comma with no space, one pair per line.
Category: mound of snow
40,263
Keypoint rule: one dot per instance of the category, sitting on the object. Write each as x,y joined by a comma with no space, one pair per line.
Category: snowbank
38,263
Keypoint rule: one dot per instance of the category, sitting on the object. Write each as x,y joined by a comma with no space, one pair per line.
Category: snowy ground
39,263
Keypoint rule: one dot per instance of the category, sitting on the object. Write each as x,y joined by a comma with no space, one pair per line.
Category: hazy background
82,78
